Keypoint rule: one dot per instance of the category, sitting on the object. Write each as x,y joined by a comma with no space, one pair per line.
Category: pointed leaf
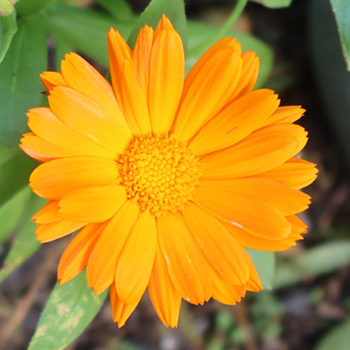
119,9
8,28
69,310
20,85
274,3
29,7
174,9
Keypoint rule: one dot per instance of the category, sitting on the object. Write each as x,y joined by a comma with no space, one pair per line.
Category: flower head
167,178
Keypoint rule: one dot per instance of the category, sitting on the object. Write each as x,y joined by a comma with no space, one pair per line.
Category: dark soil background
290,318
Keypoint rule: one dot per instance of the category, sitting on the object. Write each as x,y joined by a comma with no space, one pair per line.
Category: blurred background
308,306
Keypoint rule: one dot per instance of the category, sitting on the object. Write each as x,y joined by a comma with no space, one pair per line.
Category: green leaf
174,9
20,84
274,3
29,7
341,9
15,171
312,263
338,338
8,28
198,33
119,9
25,243
11,212
265,265
84,30
69,310
6,7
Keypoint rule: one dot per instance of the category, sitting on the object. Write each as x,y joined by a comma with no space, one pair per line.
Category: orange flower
168,179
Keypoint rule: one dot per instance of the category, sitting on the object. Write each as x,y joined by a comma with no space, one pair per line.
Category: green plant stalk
200,48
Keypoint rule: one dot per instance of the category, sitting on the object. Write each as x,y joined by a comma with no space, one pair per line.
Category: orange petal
136,259
141,57
134,101
261,151
86,117
120,310
92,204
41,150
75,257
186,264
55,178
47,214
251,214
52,79
208,93
249,75
81,76
54,230
221,250
167,69
103,259
286,114
46,125
295,173
164,296
235,121
118,51
285,199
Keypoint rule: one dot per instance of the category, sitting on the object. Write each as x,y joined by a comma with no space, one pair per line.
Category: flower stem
200,48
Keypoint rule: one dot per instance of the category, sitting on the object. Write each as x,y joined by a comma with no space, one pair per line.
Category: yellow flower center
159,173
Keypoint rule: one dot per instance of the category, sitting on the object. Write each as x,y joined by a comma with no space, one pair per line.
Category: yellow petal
55,178
54,230
295,173
208,93
253,215
52,79
261,151
75,257
134,101
103,259
118,51
167,69
235,121
86,117
221,250
136,259
81,76
164,296
120,310
46,125
93,204
186,264
41,150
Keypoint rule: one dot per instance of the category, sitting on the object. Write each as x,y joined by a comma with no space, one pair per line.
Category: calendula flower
167,178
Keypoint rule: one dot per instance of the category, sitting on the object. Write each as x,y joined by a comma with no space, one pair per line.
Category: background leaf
338,339
174,9
274,3
265,265
313,262
29,7
20,85
8,28
25,243
15,171
84,30
341,9
119,9
11,211
69,310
